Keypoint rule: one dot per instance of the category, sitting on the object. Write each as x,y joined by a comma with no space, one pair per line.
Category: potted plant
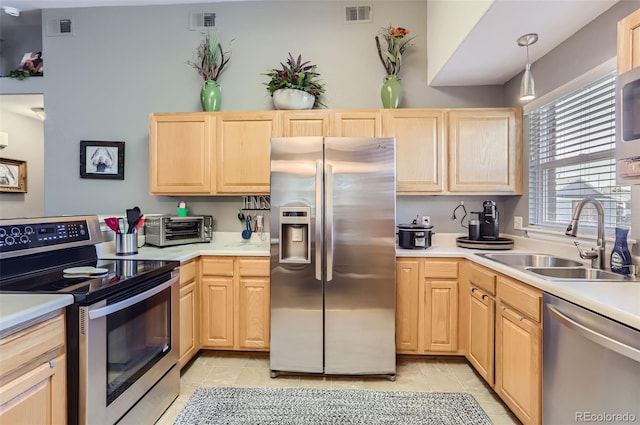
209,61
396,44
295,85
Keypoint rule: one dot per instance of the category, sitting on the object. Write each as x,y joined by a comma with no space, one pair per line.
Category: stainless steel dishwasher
591,366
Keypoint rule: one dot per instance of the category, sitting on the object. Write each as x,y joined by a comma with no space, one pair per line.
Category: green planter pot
210,96
391,92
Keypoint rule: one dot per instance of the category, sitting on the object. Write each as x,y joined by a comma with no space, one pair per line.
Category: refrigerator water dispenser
295,243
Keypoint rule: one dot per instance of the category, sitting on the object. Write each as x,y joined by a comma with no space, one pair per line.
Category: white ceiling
488,55
21,104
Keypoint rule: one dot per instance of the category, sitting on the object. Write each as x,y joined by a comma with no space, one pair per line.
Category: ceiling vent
355,14
201,20
59,27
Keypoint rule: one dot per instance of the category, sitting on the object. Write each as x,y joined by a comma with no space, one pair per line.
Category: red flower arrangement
397,43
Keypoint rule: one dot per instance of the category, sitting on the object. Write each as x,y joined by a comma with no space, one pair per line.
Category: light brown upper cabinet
243,152
305,123
420,149
356,123
180,153
485,150
228,153
629,42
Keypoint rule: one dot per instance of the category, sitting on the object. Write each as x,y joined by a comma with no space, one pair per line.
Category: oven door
126,347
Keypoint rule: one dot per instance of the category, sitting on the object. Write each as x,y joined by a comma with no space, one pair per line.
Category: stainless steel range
122,341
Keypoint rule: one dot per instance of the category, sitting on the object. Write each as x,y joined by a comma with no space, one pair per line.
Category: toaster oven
170,230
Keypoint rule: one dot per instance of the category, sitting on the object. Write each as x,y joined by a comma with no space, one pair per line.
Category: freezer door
296,279
360,286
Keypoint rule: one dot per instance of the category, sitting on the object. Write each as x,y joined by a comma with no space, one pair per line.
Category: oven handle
112,308
594,336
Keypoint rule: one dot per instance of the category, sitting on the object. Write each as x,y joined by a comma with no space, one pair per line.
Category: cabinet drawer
187,272
217,266
22,347
254,267
521,297
482,278
441,268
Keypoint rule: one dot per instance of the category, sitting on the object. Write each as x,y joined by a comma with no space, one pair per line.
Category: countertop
617,300
19,309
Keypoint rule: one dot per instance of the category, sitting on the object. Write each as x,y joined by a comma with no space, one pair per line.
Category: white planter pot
293,99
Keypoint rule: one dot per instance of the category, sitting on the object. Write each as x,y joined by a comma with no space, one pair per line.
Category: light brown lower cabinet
505,339
518,379
481,333
189,312
426,306
33,380
235,303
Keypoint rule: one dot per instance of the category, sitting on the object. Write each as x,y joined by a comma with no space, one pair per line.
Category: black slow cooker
414,236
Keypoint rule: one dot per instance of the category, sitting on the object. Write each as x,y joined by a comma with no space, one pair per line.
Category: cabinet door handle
474,289
484,296
52,364
520,318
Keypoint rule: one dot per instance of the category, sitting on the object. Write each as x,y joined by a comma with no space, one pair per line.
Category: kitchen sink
576,273
531,260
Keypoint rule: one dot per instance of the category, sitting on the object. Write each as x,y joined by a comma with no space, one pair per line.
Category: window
572,156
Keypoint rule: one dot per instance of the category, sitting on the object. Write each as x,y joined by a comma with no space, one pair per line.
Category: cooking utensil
112,223
241,215
132,219
246,234
140,223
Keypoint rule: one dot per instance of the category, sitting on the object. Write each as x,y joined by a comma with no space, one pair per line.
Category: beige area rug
308,406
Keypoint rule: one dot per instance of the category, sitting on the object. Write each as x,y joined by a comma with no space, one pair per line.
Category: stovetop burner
35,252
121,275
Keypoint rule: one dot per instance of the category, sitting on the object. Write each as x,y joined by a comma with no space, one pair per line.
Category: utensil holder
126,243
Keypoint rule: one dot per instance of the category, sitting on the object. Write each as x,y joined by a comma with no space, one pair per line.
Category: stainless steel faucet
596,255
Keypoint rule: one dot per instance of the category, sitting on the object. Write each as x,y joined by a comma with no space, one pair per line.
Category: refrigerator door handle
318,238
329,221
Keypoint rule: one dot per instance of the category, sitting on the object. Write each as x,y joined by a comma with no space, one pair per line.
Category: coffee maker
488,217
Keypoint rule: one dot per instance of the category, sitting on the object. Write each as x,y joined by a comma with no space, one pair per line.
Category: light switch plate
517,222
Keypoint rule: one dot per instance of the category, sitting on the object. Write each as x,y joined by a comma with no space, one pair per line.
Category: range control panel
25,236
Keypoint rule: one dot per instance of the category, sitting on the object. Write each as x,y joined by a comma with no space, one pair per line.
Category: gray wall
123,63
593,45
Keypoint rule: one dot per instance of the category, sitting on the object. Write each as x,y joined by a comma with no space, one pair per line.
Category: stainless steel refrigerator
333,288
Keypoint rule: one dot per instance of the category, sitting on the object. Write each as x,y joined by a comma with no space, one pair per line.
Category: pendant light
527,85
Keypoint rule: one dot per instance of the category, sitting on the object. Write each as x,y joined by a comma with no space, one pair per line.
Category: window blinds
572,156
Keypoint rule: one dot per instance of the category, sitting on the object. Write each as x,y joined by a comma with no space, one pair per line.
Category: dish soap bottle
620,255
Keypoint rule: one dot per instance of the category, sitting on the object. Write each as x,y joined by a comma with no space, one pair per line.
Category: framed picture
13,175
32,62
101,160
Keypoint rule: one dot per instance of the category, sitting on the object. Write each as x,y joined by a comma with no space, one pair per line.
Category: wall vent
201,20
59,27
358,14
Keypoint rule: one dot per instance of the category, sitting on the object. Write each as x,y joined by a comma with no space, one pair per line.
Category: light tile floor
414,373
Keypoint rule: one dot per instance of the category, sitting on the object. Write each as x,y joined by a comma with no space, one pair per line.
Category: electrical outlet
426,220
517,222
